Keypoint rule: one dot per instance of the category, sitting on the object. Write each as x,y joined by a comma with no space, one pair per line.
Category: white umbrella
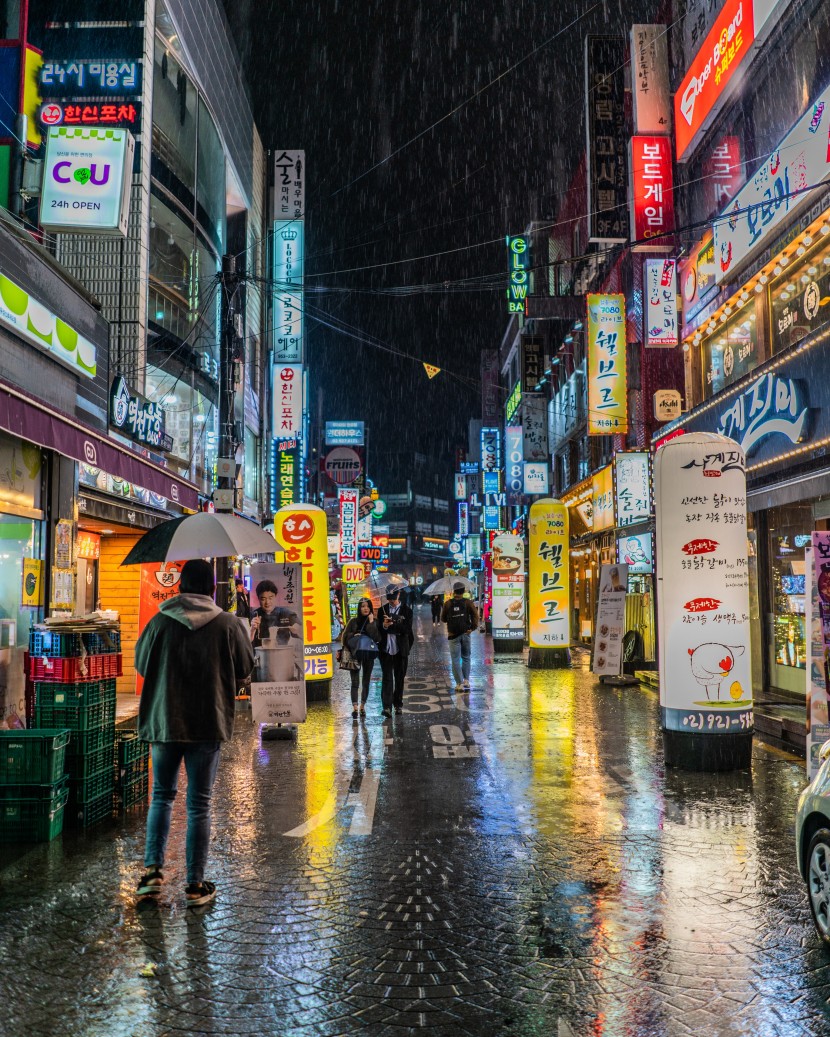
446,583
378,582
204,535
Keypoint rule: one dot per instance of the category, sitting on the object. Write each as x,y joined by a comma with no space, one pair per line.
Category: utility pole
224,496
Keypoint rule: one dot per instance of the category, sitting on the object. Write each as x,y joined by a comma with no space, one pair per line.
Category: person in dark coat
396,638
193,657
361,635
437,605
243,602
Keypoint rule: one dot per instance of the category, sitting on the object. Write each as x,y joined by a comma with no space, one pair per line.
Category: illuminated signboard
697,277
607,385
491,517
348,501
548,599
288,291
345,433
514,454
632,487
729,42
635,551
460,486
535,479
463,518
652,193
602,499
513,401
490,449
87,175
75,78
137,417
779,188
491,482
287,400
284,475
112,116
468,467
607,141
518,252
650,78
660,289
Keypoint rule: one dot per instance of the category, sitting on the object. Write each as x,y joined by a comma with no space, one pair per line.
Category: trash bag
632,646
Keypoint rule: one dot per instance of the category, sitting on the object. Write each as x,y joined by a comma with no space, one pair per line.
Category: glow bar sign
463,518
490,449
518,251
607,385
348,501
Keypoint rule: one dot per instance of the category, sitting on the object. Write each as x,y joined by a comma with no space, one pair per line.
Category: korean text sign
652,192
288,295
702,585
610,626
607,384
348,500
507,566
632,487
301,528
660,288
549,601
801,160
602,499
606,138
287,400
817,621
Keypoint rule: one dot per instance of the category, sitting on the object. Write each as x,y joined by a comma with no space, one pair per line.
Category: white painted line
322,817
364,803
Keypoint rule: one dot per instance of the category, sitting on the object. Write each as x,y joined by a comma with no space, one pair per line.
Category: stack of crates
132,774
33,786
73,672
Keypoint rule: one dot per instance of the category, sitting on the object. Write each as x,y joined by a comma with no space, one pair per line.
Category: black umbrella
204,535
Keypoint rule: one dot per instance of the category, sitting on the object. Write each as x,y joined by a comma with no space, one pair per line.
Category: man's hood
191,610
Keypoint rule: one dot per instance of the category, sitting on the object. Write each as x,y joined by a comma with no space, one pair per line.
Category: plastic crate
66,708
132,759
74,668
103,642
94,787
81,693
33,757
85,743
132,793
84,766
34,813
84,815
54,643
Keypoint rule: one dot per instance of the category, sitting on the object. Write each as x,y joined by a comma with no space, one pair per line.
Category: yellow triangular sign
430,369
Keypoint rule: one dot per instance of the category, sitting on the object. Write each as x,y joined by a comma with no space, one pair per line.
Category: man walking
193,657
461,617
396,637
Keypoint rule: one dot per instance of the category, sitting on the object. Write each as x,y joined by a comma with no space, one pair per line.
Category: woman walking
361,637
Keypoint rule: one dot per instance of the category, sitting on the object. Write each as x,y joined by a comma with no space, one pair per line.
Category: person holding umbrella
461,617
396,639
361,636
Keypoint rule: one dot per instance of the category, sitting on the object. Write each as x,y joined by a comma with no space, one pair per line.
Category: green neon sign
513,401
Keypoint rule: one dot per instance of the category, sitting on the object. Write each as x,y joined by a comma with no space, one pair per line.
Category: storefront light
825,229
763,279
812,270
759,288
807,239
783,259
826,261
777,269
800,250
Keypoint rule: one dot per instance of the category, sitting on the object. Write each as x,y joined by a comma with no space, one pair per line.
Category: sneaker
149,885
198,893
386,712
459,687
354,713
466,685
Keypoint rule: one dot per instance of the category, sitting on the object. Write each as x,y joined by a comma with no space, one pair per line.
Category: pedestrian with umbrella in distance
461,617
396,640
361,636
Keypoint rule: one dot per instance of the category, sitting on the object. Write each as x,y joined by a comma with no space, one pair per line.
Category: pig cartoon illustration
710,663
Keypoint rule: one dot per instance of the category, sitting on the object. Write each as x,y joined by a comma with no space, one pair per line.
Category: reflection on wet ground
512,861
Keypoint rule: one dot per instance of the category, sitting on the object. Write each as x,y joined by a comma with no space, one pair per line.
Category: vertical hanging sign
703,586
607,386
549,605
650,78
652,193
606,138
287,255
518,254
661,303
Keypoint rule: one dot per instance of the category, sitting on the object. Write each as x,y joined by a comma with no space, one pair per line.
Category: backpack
458,617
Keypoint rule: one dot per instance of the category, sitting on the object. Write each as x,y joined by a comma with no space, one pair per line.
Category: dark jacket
360,625
472,615
193,657
402,629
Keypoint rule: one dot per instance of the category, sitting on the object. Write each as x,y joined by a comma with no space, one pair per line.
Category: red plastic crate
71,668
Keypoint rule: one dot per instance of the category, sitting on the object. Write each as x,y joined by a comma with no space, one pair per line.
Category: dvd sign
343,465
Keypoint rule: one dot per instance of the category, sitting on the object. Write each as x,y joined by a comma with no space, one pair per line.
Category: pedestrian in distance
271,620
361,636
396,638
243,602
193,657
437,604
461,617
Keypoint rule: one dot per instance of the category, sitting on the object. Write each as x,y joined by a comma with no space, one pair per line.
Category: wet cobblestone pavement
510,862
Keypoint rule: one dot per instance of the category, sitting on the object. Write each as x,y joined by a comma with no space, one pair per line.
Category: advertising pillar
548,597
301,528
703,603
507,615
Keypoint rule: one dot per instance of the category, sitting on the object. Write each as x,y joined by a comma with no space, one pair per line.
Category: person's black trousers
393,668
367,662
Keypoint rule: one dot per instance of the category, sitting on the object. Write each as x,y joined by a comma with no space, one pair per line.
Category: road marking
322,817
364,803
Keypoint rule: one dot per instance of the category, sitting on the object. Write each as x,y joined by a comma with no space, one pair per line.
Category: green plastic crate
84,815
83,766
85,743
134,792
72,713
74,693
33,813
33,757
133,758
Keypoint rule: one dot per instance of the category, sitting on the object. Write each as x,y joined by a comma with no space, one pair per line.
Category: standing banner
278,686
817,608
703,585
507,563
610,625
549,602
301,529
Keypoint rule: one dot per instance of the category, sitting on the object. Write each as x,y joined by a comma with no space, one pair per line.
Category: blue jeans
201,759
460,652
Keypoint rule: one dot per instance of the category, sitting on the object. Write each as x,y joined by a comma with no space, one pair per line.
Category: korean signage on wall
602,499
288,245
632,487
549,603
723,173
779,188
652,193
287,400
650,78
703,586
660,290
507,564
607,384
535,427
463,518
284,483
518,265
490,448
606,139
87,175
137,417
533,361
514,456
90,78
460,486
536,483
344,433
289,185
697,277
726,47
87,92
490,400
347,500
635,551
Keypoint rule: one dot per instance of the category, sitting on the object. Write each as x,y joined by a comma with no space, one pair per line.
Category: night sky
431,130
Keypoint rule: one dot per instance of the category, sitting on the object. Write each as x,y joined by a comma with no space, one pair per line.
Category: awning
23,416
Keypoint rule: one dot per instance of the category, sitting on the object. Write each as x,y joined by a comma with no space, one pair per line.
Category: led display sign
518,253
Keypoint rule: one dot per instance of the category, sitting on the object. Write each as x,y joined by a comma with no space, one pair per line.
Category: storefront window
251,472
731,352
789,532
176,397
204,438
20,540
799,299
